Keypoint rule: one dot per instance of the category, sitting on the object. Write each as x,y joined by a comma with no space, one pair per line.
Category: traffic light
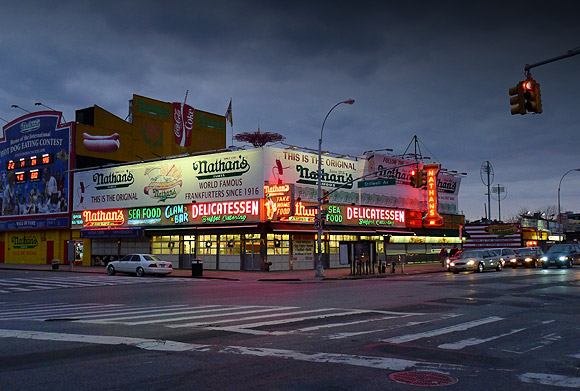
517,99
532,96
324,197
412,179
421,178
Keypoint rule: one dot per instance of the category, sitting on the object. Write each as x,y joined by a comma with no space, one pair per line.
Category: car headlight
470,263
452,264
513,260
528,260
563,258
544,259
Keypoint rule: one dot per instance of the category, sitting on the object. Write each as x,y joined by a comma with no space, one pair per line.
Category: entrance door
252,257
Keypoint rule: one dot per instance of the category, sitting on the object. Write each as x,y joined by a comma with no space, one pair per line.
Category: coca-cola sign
182,123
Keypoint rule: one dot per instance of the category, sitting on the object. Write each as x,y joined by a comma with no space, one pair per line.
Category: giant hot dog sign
199,179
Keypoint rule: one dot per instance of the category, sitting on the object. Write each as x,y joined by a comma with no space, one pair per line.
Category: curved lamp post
319,266
559,185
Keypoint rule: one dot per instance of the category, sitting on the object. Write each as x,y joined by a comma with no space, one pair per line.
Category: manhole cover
423,379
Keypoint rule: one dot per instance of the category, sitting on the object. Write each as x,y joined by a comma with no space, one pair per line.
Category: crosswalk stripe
213,315
442,331
476,341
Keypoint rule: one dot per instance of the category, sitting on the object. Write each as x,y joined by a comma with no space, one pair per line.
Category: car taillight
153,265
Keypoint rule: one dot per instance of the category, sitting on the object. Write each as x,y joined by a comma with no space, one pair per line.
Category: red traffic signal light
526,97
412,179
532,96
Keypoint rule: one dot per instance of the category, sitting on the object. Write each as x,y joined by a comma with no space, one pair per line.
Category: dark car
527,257
561,255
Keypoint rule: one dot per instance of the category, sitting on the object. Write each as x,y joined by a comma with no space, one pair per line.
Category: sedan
476,260
560,255
140,264
527,256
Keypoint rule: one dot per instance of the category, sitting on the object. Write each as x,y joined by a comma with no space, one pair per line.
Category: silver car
140,264
476,260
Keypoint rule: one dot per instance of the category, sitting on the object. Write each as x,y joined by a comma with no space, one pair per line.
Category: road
515,329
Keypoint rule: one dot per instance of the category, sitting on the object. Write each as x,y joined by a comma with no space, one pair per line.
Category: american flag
229,114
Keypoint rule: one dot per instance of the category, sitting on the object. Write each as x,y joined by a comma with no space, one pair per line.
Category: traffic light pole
570,53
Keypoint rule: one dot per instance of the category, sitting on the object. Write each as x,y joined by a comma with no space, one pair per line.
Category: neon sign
278,202
227,211
433,219
103,218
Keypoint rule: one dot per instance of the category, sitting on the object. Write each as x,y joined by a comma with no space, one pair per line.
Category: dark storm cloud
438,70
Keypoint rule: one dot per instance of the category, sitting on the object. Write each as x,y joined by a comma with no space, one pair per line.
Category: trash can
55,263
196,267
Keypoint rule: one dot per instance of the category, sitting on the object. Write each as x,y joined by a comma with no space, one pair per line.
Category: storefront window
380,244
336,239
207,245
164,245
278,244
230,245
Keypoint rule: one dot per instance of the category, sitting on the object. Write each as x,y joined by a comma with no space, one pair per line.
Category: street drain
423,379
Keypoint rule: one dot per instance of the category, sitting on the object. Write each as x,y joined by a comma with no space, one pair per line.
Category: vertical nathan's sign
433,219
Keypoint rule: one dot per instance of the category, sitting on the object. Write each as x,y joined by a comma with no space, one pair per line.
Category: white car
140,264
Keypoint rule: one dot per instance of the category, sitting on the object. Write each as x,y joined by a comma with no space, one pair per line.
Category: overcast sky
439,70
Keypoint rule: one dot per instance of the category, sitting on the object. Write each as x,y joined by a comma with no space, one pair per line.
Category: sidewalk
296,275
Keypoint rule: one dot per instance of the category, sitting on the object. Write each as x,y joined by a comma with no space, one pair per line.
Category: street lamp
18,107
560,217
319,266
50,108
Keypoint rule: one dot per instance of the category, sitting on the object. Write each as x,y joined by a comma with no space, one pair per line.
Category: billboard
196,179
34,171
152,129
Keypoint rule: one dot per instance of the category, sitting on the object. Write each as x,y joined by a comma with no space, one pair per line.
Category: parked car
140,264
527,257
561,255
506,254
476,260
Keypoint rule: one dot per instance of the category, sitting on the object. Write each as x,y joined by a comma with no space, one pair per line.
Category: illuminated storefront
252,210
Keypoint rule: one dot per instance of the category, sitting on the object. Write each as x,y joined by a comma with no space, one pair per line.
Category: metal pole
319,265
570,53
560,230
488,192
498,204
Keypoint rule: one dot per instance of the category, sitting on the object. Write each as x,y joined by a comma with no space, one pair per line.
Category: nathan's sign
433,219
278,202
24,242
196,179
226,212
502,229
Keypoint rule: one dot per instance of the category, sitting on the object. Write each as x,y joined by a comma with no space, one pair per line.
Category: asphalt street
491,331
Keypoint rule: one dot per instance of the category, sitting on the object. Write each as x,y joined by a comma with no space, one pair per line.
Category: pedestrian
453,251
443,256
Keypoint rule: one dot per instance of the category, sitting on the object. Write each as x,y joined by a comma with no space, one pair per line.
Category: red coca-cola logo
177,121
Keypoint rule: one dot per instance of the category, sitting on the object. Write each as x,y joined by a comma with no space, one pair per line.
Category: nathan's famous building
255,209
39,153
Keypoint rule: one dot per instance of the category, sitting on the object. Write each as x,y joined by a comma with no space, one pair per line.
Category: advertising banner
209,213
34,153
301,168
227,176
402,194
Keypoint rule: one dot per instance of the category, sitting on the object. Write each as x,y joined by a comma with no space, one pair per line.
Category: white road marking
475,341
445,330
393,364
550,380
